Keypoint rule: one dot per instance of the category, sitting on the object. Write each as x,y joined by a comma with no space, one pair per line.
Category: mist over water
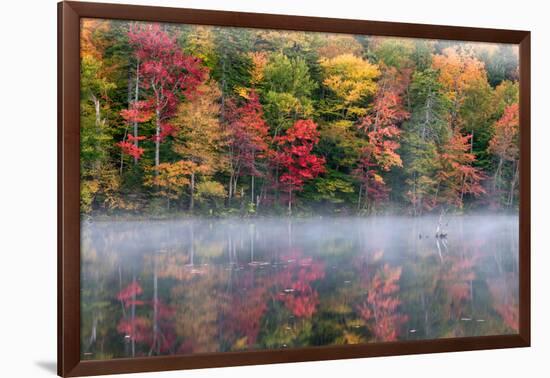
204,285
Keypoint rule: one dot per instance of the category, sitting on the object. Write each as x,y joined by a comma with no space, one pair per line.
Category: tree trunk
415,199
252,189
230,194
155,342
192,249
98,124
136,98
359,197
192,192
157,141
513,184
366,200
290,202
133,320
496,178
223,85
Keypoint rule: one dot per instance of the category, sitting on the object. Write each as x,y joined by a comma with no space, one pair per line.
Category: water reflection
195,286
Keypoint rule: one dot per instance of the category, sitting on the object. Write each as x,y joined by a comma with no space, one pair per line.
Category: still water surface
195,286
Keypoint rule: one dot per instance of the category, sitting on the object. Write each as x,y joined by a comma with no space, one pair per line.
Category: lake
203,285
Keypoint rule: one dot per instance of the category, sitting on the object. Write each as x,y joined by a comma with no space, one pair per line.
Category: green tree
286,88
425,131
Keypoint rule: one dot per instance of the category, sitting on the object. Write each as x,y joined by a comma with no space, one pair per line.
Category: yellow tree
200,42
333,45
505,146
259,61
91,42
459,73
351,79
200,137
171,178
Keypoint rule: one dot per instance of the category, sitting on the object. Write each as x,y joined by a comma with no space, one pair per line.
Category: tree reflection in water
198,286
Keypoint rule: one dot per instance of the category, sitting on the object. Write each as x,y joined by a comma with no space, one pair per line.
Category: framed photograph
239,188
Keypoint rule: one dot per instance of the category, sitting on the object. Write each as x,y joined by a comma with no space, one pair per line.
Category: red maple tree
295,157
458,176
168,75
248,133
381,125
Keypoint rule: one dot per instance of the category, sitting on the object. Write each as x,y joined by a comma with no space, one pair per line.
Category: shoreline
176,217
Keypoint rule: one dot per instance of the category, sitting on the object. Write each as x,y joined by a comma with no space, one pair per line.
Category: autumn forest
217,121
250,189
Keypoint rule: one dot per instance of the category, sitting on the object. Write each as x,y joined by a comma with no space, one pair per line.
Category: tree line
221,121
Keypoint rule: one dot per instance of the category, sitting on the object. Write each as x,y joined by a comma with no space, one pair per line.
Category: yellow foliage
336,44
200,43
90,47
200,136
88,190
241,343
458,71
210,189
171,178
242,91
351,78
378,178
105,185
351,338
259,61
281,40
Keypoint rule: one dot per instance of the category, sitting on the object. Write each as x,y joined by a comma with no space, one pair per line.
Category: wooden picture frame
69,15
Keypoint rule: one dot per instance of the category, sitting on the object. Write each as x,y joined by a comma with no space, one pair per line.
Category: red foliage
141,329
165,69
129,292
165,314
458,174
366,173
132,138
167,75
247,308
138,329
299,296
388,109
381,126
129,148
381,307
504,142
139,111
295,155
166,129
248,134
456,277
504,302
304,303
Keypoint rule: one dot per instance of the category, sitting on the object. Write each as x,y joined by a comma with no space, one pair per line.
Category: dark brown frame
69,14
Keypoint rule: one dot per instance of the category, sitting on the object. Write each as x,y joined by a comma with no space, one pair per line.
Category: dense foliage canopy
220,121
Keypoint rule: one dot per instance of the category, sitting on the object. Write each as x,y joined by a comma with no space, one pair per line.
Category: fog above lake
394,235
209,285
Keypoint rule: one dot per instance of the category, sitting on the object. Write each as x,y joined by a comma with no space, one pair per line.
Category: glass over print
246,189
